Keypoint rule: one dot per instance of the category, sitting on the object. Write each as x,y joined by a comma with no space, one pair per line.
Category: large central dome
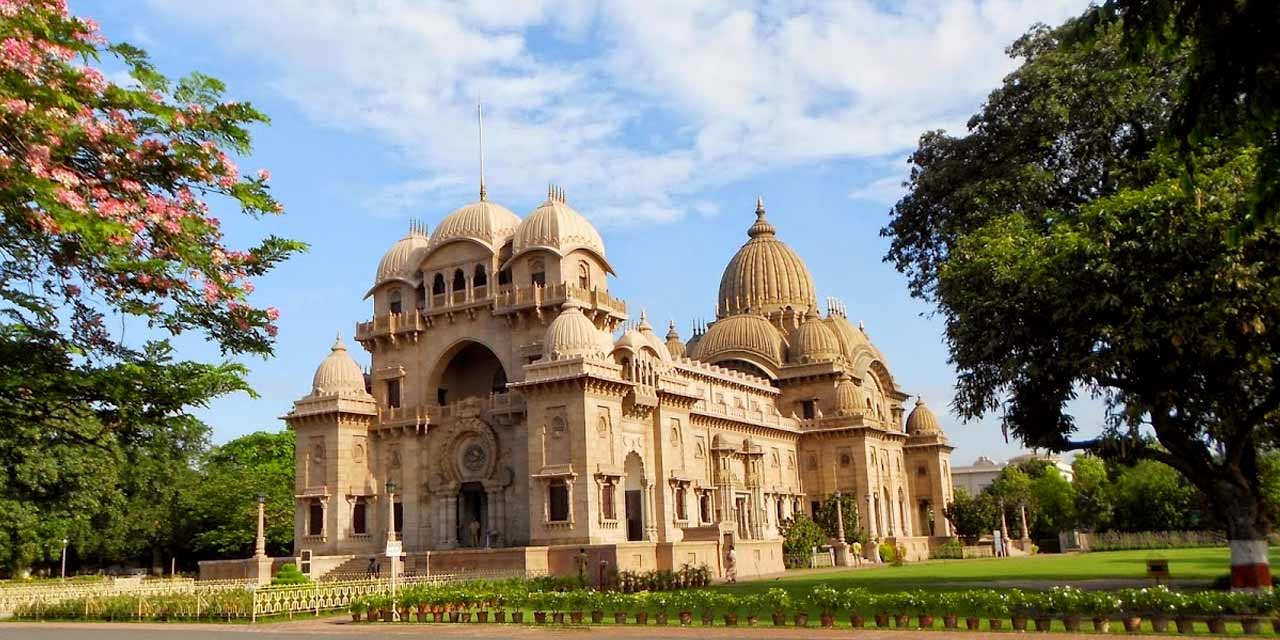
765,275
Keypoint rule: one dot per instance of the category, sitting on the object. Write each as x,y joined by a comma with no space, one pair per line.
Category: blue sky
662,121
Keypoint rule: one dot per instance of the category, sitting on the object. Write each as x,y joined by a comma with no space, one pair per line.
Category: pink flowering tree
103,190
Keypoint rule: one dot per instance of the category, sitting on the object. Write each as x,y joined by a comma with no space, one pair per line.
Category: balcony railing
429,413
390,323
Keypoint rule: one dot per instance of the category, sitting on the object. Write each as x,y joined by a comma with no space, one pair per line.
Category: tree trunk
1247,529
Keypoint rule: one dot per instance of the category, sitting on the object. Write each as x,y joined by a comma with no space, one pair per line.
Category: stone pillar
1026,534
650,519
260,543
496,519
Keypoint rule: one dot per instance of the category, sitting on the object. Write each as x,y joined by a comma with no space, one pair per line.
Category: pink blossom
272,330
65,178
91,80
15,106
264,174
218,256
69,199
247,286
278,207
227,181
130,186
273,313
210,292
195,109
144,280
72,290
9,8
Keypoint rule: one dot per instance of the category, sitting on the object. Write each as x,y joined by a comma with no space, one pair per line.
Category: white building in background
975,477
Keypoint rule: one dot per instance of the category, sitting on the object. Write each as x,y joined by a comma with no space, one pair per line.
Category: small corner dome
646,330
571,335
814,342
745,333
557,227
487,223
338,373
922,420
401,260
674,347
849,397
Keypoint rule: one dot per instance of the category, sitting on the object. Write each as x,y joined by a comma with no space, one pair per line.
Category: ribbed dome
633,340
674,346
922,420
652,338
742,333
849,398
556,226
571,334
765,275
489,223
813,341
338,373
402,258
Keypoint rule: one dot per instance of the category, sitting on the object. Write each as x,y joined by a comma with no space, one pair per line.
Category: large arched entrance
634,492
473,510
468,370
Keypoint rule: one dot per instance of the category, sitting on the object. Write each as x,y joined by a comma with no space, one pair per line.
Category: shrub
778,600
952,549
358,605
800,535
289,574
825,599
888,553
857,601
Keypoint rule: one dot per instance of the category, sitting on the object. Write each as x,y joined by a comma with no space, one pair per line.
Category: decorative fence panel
315,597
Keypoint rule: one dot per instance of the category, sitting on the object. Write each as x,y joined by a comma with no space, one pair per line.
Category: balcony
511,402
390,324
516,299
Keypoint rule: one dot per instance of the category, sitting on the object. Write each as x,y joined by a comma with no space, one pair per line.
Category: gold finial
480,127
760,206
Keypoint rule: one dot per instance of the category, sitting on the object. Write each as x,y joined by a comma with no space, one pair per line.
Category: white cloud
577,92
886,190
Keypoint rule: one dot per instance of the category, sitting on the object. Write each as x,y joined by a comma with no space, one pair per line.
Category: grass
941,575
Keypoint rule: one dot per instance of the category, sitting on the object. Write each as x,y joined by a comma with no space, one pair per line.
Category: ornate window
558,501
480,278
808,409
538,272
608,495
777,502
437,285
393,301
459,280
845,460
504,276
584,275
360,516
315,517
704,507
682,510
393,393
397,514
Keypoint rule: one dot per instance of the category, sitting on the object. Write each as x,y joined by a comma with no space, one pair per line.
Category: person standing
475,533
731,565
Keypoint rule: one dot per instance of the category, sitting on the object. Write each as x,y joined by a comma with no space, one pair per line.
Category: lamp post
260,545
392,551
64,558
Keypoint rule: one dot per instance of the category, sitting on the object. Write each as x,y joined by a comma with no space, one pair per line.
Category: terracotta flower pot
642,617
1019,623
1217,625
597,617
686,618
500,617
708,619
1185,625
1275,625
661,618
557,617
972,624
422,616
575,617
856,621
730,619
926,621
455,616
1043,624
828,620
355,617
540,617
882,620
779,619
1101,625
753,620
802,619
619,617
1132,624
517,617
466,616
482,616
949,622
995,624
902,621
385,614
1072,623
1251,626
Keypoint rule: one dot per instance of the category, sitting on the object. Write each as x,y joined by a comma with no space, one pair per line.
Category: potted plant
923,606
728,605
1160,606
556,604
1069,603
540,602
971,605
704,605
661,604
617,602
1102,605
1250,607
683,602
357,608
947,603
858,602
517,599
1039,605
640,606
996,606
827,601
1017,609
1212,607
904,604
881,606
593,601
752,605
1131,608
778,602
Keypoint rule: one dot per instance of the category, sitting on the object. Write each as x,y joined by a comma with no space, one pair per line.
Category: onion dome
571,335
646,330
557,227
338,373
813,341
674,346
765,274
402,259
922,421
487,223
737,336
849,398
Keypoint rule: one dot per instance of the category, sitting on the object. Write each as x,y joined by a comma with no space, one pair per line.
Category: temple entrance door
635,521
740,505
926,527
473,506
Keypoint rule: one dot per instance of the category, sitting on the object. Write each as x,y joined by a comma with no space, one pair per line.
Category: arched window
681,513
437,285
538,272
480,278
504,277
459,280
704,507
393,301
584,275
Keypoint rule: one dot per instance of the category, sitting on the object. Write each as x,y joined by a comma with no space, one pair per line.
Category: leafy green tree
102,192
1054,500
800,534
1151,496
1093,497
827,517
973,516
1067,253
223,507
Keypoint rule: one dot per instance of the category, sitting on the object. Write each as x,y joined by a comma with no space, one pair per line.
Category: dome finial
337,343
480,128
761,226
760,206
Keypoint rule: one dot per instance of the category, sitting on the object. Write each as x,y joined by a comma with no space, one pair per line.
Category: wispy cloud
577,92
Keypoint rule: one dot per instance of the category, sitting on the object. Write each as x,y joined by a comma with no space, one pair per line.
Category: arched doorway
634,491
468,370
473,507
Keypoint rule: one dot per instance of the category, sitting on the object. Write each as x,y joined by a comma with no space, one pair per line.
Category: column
651,519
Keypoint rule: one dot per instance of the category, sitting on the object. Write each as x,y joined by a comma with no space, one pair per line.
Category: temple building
515,413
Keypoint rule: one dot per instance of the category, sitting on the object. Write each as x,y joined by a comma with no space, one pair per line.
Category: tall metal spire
480,126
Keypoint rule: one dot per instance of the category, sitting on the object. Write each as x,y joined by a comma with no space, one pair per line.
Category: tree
102,192
973,516
1054,500
1150,496
224,506
800,535
1068,254
827,517
1093,498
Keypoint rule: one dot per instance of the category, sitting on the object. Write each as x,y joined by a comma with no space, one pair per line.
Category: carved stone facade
513,406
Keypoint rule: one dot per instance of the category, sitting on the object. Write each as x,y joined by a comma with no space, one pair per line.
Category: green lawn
1202,564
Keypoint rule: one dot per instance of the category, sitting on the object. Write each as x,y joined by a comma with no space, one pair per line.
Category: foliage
1093,501
973,516
825,599
222,506
888,553
800,535
1068,252
1151,496
952,549
778,600
101,193
827,516
289,574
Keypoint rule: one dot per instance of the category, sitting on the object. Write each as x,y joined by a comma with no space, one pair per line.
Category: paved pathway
334,627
